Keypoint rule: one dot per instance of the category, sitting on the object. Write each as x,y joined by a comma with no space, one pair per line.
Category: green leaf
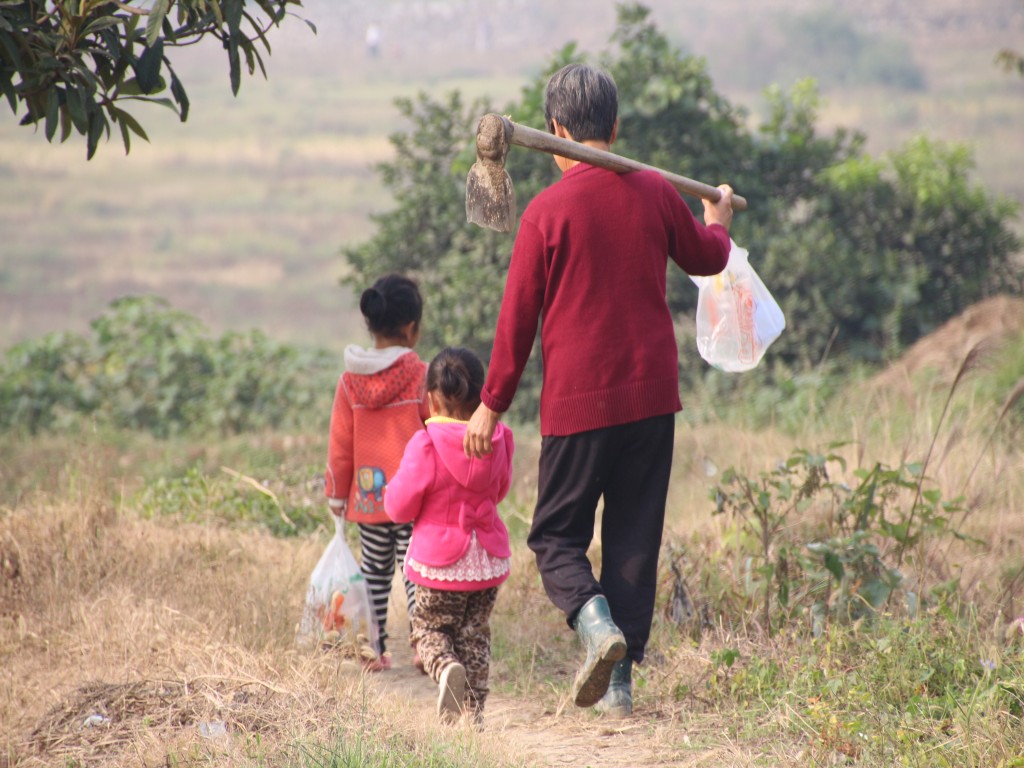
125,135
217,13
130,87
875,593
250,54
309,23
178,91
898,531
163,101
112,40
233,10
147,71
259,31
234,66
100,24
10,45
76,108
7,88
156,20
65,122
97,124
128,121
233,16
52,113
834,565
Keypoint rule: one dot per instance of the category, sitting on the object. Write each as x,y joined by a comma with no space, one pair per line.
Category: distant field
239,215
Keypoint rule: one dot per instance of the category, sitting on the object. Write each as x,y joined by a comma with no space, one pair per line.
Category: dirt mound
989,322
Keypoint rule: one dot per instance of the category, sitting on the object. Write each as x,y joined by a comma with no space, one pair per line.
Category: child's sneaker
451,692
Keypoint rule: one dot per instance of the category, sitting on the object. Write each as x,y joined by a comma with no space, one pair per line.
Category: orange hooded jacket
380,403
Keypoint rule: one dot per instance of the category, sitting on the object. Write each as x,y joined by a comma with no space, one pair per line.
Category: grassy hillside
238,215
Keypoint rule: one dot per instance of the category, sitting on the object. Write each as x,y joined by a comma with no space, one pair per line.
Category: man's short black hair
584,100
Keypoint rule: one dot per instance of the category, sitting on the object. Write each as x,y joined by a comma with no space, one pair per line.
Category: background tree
1011,60
887,250
76,64
864,255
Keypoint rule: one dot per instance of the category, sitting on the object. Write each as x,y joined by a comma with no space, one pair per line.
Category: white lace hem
476,565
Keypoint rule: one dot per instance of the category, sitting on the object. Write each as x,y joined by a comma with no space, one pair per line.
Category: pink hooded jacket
448,496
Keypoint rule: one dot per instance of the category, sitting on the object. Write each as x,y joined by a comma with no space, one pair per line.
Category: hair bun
373,303
457,375
390,304
454,380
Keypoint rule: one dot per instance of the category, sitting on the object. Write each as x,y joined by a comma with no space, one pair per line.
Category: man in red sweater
589,263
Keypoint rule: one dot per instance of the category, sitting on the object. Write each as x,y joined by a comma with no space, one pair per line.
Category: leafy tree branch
76,65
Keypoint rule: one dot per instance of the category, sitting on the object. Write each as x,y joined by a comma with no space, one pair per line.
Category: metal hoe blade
490,197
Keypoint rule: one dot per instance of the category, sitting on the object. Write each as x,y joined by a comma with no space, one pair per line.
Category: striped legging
382,546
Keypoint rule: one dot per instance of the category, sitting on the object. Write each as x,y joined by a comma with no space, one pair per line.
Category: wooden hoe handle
531,138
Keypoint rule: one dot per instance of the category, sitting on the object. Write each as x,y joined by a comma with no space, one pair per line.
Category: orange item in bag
335,618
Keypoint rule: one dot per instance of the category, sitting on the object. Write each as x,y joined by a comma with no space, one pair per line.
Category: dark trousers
629,467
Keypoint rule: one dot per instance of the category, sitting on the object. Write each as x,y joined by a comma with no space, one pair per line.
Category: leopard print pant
450,626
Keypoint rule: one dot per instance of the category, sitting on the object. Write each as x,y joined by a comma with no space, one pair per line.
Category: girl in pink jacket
459,552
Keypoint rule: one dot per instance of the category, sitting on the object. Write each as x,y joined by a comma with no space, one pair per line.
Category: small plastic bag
737,318
337,612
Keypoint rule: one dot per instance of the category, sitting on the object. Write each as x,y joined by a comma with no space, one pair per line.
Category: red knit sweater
590,259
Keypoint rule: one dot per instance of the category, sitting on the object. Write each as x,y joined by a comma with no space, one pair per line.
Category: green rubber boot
618,700
605,645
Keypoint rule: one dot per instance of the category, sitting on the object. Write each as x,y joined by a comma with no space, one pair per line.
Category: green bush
152,368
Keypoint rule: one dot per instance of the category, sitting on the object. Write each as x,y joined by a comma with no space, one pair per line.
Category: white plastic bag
737,318
338,612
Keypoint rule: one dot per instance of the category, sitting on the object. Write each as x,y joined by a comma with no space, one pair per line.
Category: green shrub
152,368
806,544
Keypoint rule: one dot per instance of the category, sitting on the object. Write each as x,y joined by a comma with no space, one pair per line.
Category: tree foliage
864,255
76,65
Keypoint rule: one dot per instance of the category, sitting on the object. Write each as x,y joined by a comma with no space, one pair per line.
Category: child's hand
337,506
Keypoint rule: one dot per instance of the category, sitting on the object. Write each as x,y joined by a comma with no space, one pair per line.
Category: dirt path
549,733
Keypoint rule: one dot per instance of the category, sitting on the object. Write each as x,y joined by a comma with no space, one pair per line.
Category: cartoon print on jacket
371,481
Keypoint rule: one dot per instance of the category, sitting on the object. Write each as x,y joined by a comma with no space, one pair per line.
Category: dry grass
132,641
121,639
148,630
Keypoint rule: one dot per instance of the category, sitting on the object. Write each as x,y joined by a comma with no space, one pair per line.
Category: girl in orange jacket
379,405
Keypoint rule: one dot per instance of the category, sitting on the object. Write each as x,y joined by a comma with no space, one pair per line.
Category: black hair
584,100
457,375
390,304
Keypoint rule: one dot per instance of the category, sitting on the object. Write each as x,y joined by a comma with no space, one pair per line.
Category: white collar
372,360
